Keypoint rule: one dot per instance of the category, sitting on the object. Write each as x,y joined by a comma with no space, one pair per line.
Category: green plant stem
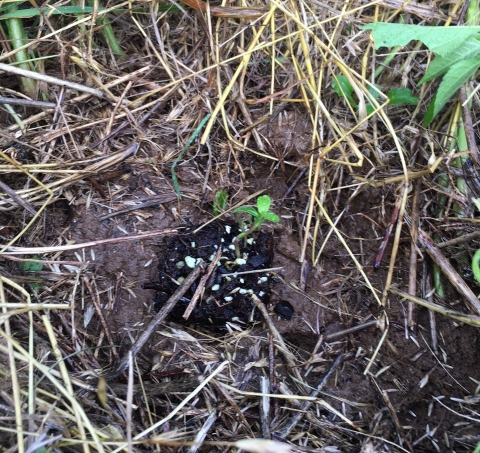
17,119
255,226
182,152
476,265
108,32
17,36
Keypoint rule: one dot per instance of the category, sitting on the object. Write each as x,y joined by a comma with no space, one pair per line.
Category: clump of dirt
227,293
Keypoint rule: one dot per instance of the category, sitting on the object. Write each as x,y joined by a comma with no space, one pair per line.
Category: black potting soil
227,294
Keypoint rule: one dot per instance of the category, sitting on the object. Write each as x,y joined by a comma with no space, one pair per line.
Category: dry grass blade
63,248
472,320
449,272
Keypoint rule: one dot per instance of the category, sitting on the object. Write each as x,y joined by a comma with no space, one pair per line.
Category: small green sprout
258,216
221,202
33,266
476,265
398,96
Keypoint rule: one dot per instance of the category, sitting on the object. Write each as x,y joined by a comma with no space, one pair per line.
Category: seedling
397,96
258,216
33,266
220,203
476,266
457,50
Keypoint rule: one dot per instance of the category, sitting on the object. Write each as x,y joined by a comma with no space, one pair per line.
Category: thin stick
289,358
459,240
306,405
153,202
201,285
412,282
449,272
159,317
396,421
27,103
200,437
17,198
471,320
49,79
428,295
61,248
98,309
313,190
350,330
388,233
265,407
468,124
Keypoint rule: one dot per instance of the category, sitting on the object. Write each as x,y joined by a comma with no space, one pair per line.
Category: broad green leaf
441,40
263,203
344,89
440,65
400,96
272,217
247,209
456,76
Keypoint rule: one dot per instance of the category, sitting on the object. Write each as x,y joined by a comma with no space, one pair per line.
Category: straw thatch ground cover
142,114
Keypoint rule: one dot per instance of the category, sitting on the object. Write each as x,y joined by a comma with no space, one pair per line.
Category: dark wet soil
417,382
227,294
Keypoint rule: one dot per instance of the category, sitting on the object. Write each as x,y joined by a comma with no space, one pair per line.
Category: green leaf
248,210
220,203
263,204
476,266
375,94
32,266
400,96
456,76
344,89
441,40
440,65
272,217
64,10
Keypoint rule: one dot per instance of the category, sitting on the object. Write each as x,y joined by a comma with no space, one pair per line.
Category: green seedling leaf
247,209
476,265
263,204
470,48
456,76
441,40
344,89
32,266
476,201
375,94
271,217
400,96
220,203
